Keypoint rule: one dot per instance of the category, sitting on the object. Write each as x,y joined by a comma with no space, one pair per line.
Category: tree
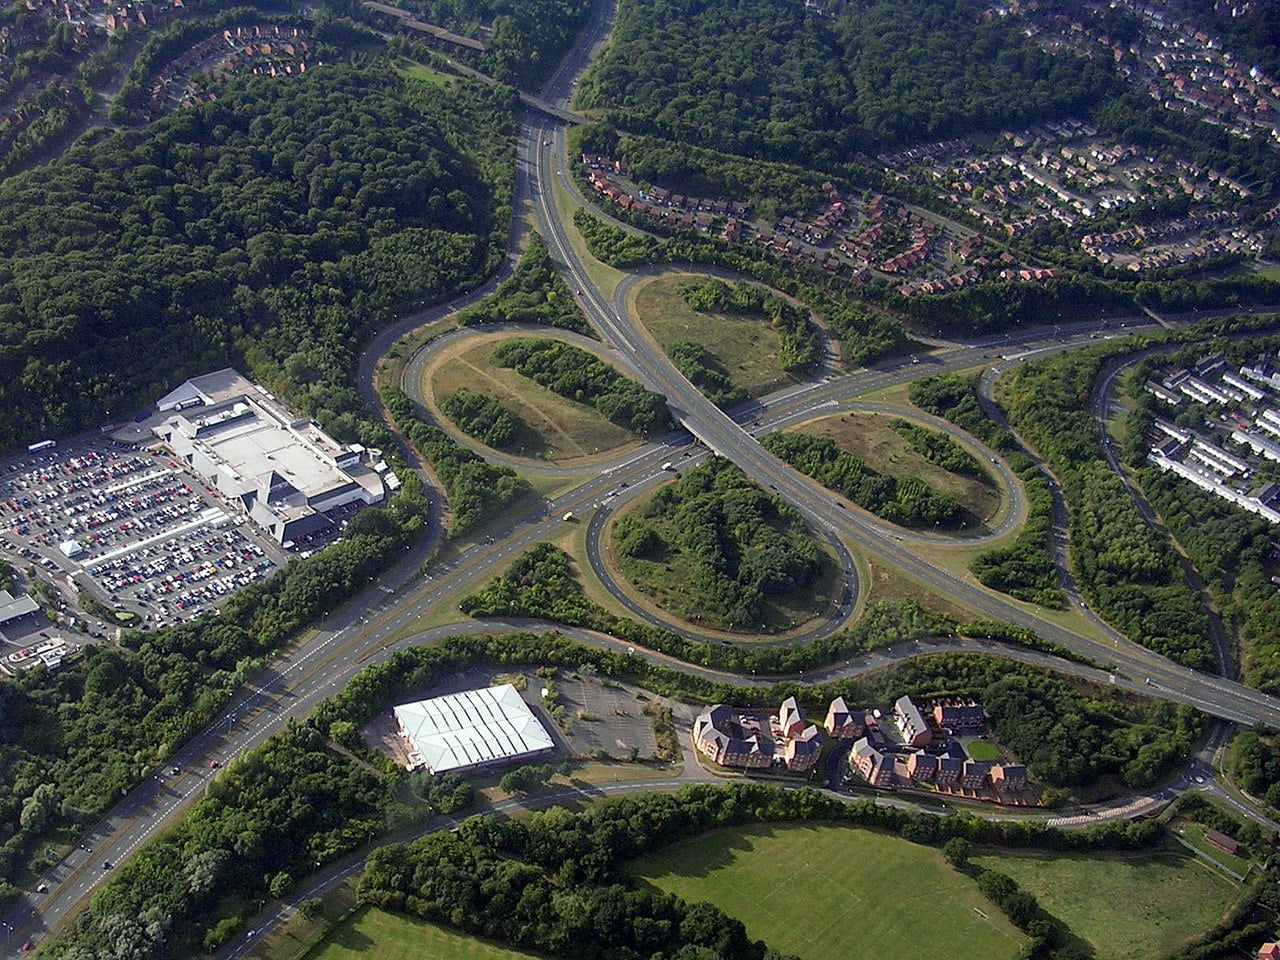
280,884
957,850
310,908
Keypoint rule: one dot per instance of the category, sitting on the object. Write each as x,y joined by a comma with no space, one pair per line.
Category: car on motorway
28,946
174,771
106,864
214,764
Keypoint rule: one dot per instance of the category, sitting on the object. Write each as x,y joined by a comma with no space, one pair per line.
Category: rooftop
471,728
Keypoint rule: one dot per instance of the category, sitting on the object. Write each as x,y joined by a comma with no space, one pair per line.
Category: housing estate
927,752
753,742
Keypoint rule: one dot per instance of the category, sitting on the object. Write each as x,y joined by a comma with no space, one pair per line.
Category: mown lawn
837,893
390,936
1126,908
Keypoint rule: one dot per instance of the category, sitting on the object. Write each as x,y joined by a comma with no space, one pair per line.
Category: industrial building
474,728
285,471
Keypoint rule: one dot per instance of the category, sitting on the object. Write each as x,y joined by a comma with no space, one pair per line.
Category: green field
556,428
1193,833
1125,908
869,437
837,893
420,71
390,936
982,751
748,347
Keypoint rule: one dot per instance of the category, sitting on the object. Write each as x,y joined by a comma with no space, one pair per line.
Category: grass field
982,751
420,71
1193,833
837,893
869,437
390,936
747,347
555,428
1125,908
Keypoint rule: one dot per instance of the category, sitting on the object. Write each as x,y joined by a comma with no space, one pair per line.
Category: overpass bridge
406,20
557,113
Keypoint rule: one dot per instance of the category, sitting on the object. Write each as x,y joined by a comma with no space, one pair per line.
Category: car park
155,543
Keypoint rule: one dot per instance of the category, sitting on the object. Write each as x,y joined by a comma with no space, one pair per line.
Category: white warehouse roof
471,728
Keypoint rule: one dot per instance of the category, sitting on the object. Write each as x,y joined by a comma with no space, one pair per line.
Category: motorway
714,428
369,629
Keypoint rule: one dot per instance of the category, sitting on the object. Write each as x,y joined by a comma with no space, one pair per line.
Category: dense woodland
482,417
1233,552
940,449
741,546
73,739
534,293
766,78
273,228
1255,764
578,375
907,501
1023,569
1127,569
703,369
526,38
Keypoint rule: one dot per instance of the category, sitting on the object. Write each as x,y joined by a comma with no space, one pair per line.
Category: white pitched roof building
460,731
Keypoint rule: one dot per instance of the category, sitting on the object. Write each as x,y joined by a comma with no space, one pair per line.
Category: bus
42,445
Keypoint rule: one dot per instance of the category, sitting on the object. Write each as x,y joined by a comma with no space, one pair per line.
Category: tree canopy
283,220
766,78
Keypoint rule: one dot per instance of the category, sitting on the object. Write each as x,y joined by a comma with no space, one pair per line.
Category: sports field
390,936
837,893
1125,908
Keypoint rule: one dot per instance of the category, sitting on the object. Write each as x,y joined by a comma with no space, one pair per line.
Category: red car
29,945
214,764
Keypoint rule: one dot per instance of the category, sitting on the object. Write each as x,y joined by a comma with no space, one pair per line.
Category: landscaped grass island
716,548
550,427
744,347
